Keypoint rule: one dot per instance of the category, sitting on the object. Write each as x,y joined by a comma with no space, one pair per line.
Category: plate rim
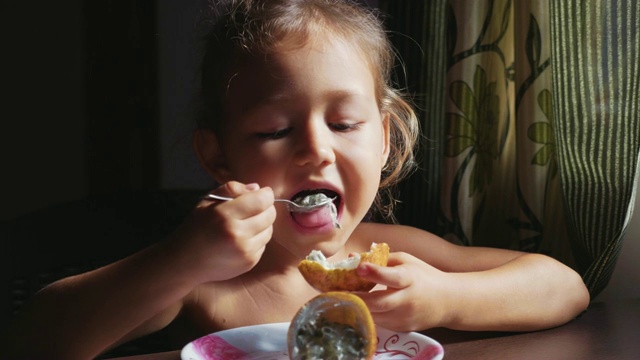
190,347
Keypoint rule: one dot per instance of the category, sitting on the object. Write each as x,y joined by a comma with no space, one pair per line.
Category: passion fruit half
332,326
341,276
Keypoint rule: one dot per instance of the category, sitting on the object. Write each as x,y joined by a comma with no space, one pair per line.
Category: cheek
254,165
363,176
372,156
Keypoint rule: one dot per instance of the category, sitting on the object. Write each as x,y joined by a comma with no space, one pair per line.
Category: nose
314,145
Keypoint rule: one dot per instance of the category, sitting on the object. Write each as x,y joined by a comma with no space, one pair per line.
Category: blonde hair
248,28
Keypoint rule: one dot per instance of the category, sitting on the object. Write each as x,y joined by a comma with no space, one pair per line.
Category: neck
277,259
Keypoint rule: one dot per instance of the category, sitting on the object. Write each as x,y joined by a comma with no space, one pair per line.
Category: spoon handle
293,206
225,198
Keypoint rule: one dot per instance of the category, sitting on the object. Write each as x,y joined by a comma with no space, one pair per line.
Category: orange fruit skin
336,307
339,279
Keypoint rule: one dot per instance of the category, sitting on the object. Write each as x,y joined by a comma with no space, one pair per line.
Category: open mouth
322,204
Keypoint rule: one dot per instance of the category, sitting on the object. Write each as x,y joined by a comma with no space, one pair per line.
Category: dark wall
42,104
79,111
121,95
178,57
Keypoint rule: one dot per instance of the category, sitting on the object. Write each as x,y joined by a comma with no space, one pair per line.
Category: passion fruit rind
333,325
330,278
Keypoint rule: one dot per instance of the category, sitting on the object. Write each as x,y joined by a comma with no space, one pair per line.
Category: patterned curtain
530,113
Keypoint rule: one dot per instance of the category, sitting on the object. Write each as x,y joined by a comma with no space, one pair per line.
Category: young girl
299,101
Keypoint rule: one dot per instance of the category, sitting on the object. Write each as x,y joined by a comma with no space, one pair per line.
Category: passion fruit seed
332,326
321,339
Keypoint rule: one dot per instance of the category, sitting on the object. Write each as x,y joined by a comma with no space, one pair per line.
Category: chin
301,245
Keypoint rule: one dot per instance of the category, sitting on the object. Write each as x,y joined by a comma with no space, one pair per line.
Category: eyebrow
345,95
279,99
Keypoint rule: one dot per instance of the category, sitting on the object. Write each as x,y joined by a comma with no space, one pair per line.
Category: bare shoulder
402,238
397,236
431,248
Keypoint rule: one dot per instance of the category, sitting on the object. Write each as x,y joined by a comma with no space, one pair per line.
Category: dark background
97,97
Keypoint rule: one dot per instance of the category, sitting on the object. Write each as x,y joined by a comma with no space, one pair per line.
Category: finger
253,203
232,190
258,223
245,202
381,301
390,320
229,189
235,225
235,188
263,237
390,276
398,258
254,245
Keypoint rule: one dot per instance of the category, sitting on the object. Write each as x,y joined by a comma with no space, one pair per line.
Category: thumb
252,187
235,188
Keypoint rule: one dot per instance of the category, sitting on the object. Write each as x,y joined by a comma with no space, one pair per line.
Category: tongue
312,219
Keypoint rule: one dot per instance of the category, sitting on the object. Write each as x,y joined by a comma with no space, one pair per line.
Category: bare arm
96,310
530,292
433,283
82,316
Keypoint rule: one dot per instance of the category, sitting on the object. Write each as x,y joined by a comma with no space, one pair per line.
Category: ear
210,155
386,136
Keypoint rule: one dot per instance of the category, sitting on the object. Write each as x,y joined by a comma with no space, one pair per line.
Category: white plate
269,341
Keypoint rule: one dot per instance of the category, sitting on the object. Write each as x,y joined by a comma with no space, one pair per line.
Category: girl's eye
345,127
274,135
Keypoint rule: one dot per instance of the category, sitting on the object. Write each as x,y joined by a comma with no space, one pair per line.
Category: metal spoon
292,205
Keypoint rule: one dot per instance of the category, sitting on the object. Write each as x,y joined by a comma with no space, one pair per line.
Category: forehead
317,71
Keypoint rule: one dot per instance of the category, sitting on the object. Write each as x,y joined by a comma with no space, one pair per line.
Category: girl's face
302,121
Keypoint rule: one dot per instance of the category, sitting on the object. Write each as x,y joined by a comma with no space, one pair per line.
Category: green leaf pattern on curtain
479,118
530,113
474,127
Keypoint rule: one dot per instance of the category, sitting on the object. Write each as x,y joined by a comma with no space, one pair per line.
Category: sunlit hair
237,29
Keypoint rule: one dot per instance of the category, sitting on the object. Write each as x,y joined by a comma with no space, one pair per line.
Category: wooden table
605,331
